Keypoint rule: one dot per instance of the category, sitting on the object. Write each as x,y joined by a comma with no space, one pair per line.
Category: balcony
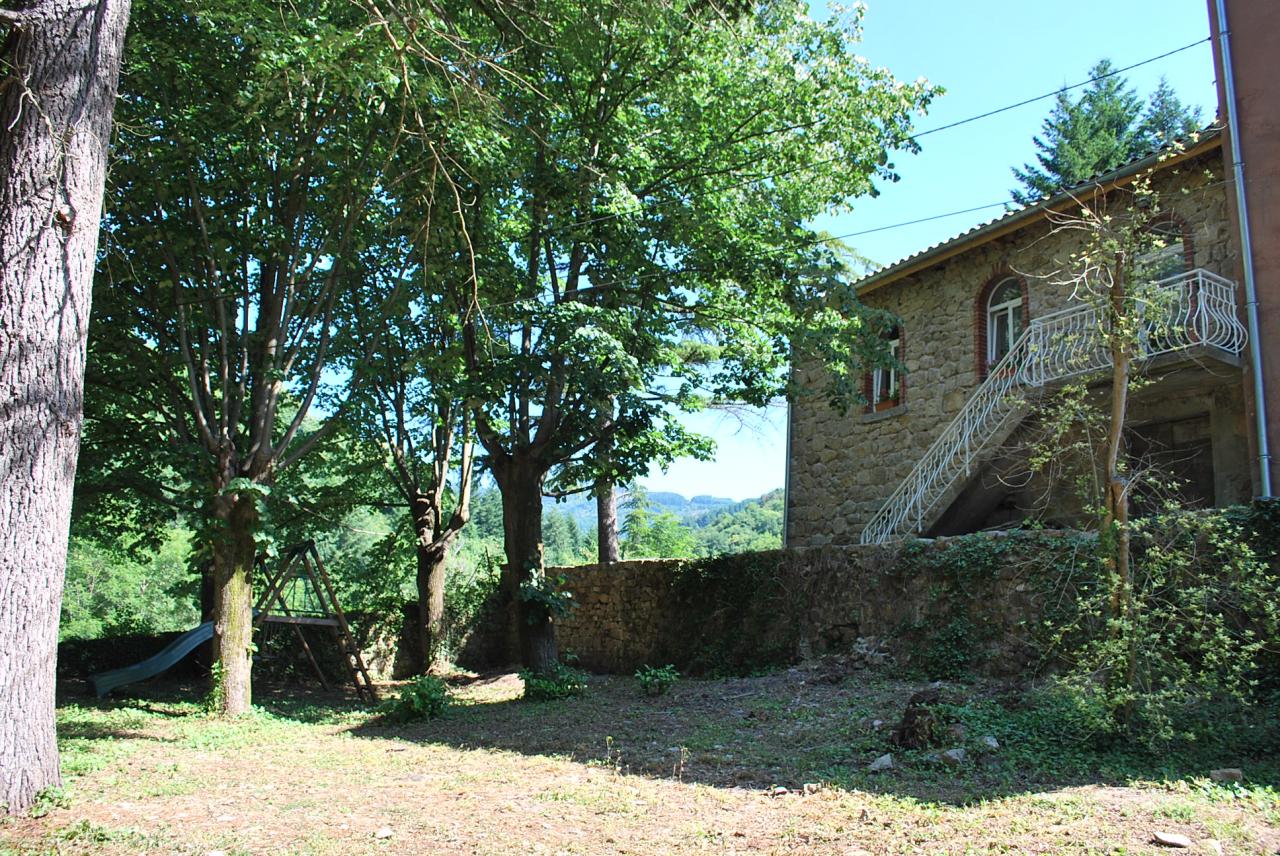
1191,312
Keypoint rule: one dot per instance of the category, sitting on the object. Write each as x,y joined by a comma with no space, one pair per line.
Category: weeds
559,682
656,681
427,697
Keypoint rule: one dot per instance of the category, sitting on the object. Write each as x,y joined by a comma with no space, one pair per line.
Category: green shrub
427,697
1197,647
951,650
560,682
656,681
472,596
546,598
213,699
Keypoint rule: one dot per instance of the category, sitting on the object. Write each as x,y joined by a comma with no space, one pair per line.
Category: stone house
983,322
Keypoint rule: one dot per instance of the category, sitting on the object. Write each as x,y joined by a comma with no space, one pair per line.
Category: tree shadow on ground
780,730
79,730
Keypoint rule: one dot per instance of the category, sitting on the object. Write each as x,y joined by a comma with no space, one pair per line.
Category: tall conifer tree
1104,129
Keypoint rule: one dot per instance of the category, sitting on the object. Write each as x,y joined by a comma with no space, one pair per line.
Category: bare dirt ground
772,764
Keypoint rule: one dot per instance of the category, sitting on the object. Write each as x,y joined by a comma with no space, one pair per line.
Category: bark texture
432,553
60,63
531,639
607,523
234,552
431,570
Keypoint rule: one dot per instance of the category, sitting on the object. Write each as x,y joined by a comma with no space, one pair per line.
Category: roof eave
1020,219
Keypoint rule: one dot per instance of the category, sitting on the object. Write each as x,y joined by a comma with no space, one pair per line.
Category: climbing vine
735,613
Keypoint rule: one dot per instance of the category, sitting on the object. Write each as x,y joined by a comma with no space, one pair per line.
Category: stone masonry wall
844,465
735,613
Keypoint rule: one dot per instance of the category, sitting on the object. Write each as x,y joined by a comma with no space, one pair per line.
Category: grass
699,769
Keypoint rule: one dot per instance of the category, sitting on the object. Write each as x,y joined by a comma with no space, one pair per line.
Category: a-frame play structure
298,592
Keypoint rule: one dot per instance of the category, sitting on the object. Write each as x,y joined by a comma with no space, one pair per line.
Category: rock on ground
1171,839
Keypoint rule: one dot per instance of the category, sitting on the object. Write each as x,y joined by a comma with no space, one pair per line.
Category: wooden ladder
273,598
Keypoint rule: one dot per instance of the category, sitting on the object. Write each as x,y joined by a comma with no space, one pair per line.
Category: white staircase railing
1192,309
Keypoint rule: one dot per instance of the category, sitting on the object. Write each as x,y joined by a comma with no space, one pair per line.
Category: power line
1055,92
928,219
617,284
600,218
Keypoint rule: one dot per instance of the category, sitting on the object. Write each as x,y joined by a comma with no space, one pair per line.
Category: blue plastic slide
105,682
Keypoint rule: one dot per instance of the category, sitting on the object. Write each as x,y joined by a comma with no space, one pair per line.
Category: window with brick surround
883,386
1005,313
1005,282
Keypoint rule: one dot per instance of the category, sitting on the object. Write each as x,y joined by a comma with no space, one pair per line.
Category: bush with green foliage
472,586
109,592
426,697
1203,637
546,597
656,681
1201,643
559,682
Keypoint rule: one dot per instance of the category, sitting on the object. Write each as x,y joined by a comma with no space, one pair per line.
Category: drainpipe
1246,251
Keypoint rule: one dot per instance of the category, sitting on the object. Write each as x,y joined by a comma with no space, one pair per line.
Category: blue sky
987,54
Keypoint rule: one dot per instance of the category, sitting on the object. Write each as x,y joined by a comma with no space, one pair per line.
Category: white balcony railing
1189,310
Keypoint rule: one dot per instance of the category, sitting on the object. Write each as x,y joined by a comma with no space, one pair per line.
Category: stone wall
844,465
735,613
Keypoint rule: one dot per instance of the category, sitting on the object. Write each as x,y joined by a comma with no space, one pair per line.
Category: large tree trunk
531,635
607,523
55,125
431,568
234,552
432,554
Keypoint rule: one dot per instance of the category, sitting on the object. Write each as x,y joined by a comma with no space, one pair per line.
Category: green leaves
545,598
246,485
651,213
425,697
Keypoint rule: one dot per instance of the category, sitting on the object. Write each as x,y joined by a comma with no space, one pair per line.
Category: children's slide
105,682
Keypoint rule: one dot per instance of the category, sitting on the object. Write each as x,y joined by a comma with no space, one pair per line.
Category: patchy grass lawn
699,770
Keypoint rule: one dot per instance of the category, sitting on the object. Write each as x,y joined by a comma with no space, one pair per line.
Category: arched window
1005,313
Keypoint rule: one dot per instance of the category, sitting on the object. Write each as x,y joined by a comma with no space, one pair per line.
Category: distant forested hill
661,524
582,507
755,524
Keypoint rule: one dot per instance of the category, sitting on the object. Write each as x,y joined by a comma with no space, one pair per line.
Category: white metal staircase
1190,310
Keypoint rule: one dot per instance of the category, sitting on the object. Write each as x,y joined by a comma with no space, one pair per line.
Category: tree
1117,270
607,547
109,593
1104,129
565,542
412,404
651,198
59,67
751,526
648,535
1167,119
274,135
